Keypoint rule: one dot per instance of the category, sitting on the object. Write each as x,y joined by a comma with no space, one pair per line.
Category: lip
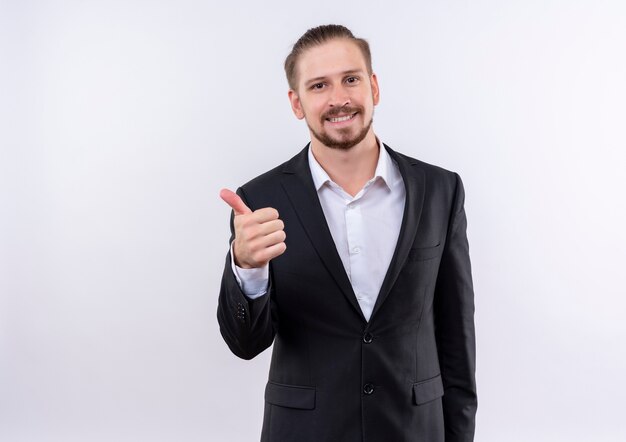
341,123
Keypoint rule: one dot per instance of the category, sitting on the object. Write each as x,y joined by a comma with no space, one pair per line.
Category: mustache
346,109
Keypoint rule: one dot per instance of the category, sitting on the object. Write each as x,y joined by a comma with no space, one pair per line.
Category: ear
296,105
375,90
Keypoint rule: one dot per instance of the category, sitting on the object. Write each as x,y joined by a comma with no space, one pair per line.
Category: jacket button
368,389
367,338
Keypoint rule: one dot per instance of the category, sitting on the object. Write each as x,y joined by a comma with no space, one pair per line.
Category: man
353,260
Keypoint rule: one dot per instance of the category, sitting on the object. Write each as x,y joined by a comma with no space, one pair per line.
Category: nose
339,97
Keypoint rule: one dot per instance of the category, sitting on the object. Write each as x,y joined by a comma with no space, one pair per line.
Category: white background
121,120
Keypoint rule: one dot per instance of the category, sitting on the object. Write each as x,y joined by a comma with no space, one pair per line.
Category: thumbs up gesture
259,235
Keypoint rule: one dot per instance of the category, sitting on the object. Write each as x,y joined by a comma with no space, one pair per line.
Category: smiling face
335,94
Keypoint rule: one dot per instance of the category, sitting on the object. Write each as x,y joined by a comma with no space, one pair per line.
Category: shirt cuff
253,282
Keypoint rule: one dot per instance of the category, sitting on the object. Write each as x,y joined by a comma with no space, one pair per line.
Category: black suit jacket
408,373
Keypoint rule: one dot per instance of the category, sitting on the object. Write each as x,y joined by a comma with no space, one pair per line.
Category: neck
350,168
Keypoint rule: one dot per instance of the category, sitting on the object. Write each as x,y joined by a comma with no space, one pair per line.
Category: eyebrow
343,74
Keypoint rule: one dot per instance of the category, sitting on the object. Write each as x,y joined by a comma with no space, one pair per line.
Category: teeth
338,119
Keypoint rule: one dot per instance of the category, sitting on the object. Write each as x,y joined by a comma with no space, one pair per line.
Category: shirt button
368,389
356,250
367,338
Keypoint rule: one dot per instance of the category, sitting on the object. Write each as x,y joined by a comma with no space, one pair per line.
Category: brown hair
318,36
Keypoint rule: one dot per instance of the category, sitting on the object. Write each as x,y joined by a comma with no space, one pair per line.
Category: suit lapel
414,184
298,185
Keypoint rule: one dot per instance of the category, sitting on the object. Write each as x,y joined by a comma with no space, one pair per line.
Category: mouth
342,118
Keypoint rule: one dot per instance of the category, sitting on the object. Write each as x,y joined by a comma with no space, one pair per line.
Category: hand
259,235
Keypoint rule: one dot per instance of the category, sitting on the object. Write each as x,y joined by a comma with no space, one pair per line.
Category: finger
235,202
265,214
272,252
271,226
270,239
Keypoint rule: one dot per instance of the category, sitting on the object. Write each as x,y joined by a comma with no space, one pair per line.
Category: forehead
330,58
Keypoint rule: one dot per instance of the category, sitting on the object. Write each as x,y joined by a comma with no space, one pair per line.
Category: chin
342,143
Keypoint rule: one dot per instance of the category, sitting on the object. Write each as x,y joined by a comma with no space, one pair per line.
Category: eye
317,86
352,80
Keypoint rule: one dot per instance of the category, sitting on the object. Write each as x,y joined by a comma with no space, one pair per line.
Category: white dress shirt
365,230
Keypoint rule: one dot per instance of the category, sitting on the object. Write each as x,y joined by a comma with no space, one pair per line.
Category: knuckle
243,248
253,231
242,236
262,256
243,220
257,256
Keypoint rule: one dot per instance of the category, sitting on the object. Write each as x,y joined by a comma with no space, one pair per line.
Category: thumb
235,202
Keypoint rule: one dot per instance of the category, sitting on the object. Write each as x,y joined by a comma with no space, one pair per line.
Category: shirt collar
384,168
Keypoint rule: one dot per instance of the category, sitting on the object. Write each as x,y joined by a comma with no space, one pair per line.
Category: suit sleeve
245,324
454,322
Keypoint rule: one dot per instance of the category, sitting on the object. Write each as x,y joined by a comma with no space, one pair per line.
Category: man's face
335,93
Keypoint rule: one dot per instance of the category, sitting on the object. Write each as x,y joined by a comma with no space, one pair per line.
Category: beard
343,141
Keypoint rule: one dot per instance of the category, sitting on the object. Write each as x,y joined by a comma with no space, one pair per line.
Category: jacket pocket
291,396
428,390
423,253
